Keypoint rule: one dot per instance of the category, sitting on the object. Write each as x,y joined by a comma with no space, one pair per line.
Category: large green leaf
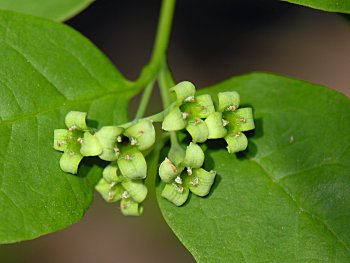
58,10
340,6
287,198
46,70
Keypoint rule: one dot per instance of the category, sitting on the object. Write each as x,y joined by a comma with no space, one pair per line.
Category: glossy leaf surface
340,6
58,10
287,197
46,70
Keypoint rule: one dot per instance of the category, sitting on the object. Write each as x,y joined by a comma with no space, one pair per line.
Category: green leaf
46,70
58,10
340,6
287,198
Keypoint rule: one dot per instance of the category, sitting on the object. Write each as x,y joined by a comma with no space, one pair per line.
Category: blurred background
211,41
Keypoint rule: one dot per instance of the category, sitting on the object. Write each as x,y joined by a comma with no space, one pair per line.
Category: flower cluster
123,178
182,173
125,146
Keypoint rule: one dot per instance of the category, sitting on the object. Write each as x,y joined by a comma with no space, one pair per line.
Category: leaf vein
67,103
36,68
80,62
310,169
299,206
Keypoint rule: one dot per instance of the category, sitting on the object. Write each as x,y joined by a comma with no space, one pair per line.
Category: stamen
189,170
189,99
125,195
195,181
178,180
185,115
225,122
231,108
72,128
133,141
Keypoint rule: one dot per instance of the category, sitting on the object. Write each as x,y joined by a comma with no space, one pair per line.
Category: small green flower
194,157
230,122
108,138
142,135
175,193
136,189
185,177
184,91
199,182
130,207
112,174
198,130
76,120
110,192
189,112
168,171
132,163
216,126
75,142
175,120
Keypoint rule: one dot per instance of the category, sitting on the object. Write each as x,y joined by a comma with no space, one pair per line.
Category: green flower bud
215,126
132,163
201,181
177,194
74,140
240,120
184,90
176,154
90,145
194,157
108,137
111,192
168,171
201,107
228,101
246,121
76,120
130,208
141,134
236,142
110,174
206,105
174,121
136,189
69,162
61,139
198,130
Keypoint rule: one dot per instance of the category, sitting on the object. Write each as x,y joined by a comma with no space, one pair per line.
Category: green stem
150,71
144,100
166,82
158,117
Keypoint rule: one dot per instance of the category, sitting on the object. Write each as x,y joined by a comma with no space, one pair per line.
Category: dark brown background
211,41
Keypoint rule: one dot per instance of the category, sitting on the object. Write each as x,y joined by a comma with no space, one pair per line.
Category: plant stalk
150,71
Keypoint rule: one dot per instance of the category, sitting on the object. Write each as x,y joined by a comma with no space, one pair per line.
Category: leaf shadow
258,132
92,123
87,163
210,165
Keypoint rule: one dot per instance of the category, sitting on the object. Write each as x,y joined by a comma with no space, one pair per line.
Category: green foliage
340,6
46,70
58,10
287,199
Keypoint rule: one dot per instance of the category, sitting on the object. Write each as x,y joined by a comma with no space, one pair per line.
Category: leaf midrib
63,104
